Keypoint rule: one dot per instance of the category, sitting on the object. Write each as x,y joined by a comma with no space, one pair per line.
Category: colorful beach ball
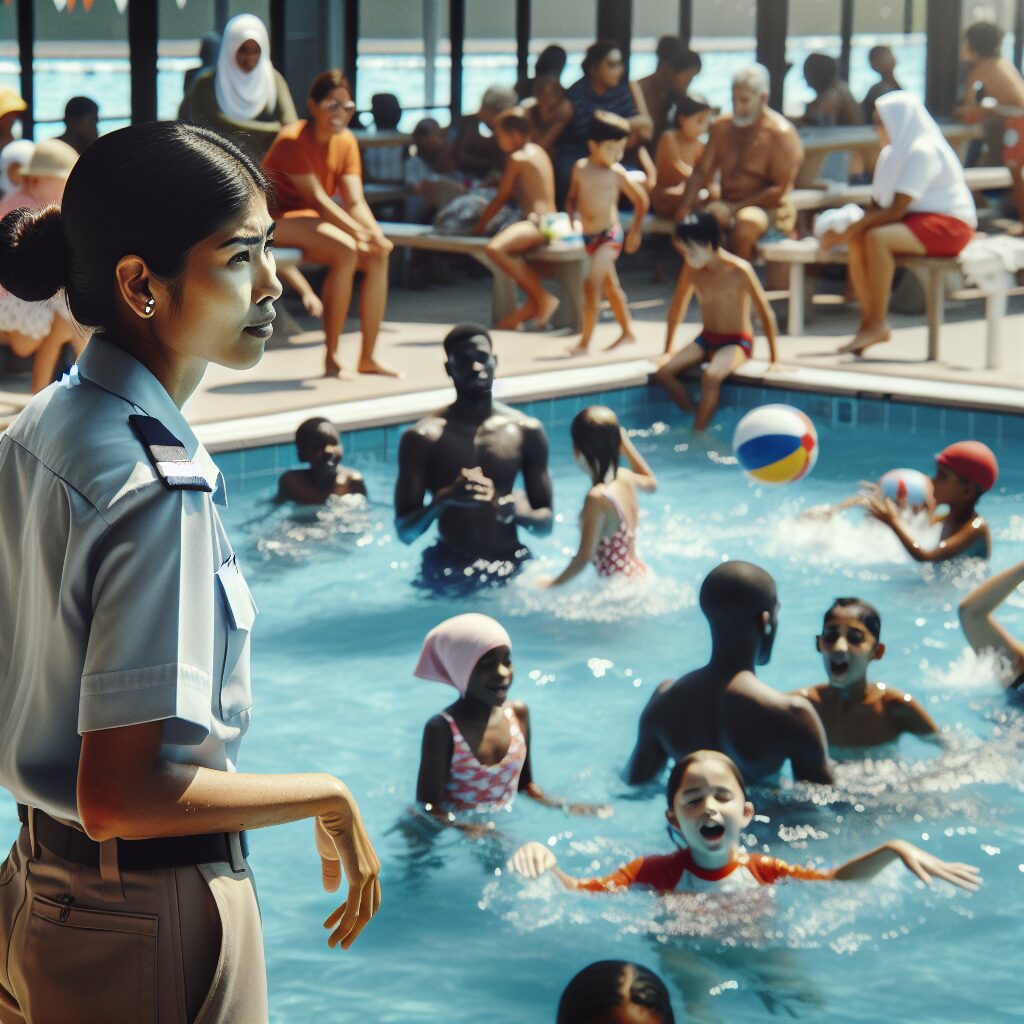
907,487
775,444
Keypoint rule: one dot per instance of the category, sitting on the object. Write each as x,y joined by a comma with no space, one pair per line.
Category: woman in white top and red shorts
921,206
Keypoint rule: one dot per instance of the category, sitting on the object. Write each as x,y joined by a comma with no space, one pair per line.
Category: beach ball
775,444
907,487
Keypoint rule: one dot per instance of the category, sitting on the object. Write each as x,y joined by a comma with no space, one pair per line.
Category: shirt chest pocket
235,689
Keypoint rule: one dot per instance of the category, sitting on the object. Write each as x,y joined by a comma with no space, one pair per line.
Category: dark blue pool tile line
255,470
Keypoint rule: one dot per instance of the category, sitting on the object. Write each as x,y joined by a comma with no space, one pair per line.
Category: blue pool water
458,938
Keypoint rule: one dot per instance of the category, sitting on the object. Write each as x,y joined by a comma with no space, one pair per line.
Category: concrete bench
987,269
564,265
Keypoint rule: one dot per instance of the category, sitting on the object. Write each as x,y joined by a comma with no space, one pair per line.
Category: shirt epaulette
169,456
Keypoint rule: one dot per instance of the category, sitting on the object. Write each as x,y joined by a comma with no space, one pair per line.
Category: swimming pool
458,938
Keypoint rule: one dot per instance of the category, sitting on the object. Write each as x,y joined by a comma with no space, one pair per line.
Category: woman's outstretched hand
928,867
344,846
532,860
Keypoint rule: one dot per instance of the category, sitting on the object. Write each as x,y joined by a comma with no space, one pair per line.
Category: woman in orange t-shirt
321,210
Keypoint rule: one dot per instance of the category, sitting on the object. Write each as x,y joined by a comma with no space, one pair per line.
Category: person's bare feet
626,338
333,370
868,335
372,366
516,318
580,349
545,311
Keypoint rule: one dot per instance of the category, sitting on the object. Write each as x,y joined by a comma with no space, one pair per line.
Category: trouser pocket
89,966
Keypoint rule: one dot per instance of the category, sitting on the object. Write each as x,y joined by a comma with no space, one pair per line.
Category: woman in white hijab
921,206
243,97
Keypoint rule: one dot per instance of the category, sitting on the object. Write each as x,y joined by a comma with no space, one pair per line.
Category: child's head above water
850,641
316,441
597,442
615,992
708,806
471,652
964,472
697,238
606,136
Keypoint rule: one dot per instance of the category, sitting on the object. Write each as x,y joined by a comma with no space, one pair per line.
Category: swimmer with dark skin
724,706
317,442
468,456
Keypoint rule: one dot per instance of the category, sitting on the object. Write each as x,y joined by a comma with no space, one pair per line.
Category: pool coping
279,428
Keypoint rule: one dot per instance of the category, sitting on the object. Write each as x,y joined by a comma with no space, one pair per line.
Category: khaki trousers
81,945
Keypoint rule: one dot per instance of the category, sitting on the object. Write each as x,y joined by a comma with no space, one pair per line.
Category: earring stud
147,309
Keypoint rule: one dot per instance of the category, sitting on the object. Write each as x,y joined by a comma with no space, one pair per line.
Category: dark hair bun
32,253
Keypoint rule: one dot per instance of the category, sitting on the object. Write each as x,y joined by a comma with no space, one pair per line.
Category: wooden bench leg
503,290
570,311
934,302
797,282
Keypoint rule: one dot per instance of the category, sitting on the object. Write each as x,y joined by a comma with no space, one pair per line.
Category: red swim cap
973,461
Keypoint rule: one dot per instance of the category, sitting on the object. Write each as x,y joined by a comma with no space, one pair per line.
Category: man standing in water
468,456
724,706
758,155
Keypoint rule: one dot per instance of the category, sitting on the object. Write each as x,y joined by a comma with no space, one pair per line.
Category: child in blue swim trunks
726,286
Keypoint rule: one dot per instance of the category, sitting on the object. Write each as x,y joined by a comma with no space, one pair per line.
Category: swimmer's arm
311,191
649,757
913,718
643,475
963,540
763,309
354,482
534,859
679,305
513,168
916,860
412,517
807,742
536,517
590,533
977,609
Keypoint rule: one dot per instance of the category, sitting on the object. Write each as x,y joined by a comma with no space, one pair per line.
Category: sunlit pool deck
264,405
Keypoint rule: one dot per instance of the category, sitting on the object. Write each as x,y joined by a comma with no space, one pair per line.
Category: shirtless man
598,181
724,706
995,89
318,443
758,154
468,456
529,178
677,67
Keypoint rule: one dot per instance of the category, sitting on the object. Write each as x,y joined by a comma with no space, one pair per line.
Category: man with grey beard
757,154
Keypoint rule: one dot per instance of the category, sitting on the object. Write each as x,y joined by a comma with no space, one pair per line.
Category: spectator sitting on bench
921,206
679,151
883,62
529,179
81,123
477,156
548,112
758,154
551,63
677,67
429,172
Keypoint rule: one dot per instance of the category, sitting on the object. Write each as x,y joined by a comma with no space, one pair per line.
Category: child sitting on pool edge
725,286
318,443
854,712
609,515
963,473
707,810
476,753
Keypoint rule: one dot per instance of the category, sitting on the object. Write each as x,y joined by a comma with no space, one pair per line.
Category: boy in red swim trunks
707,810
597,182
726,286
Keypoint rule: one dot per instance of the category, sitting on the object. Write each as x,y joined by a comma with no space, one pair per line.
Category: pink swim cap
453,648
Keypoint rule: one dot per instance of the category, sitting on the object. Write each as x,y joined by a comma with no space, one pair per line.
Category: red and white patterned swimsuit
616,555
473,786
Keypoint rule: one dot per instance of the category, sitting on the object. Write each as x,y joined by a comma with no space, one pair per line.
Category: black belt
73,845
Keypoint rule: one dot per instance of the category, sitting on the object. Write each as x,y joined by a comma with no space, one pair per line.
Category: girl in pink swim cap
476,753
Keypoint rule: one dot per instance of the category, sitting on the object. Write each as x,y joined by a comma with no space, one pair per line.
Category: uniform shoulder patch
168,456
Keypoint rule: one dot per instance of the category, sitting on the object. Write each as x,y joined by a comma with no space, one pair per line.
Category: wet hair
736,593
152,190
821,71
607,984
679,769
79,106
326,82
465,332
596,52
700,229
311,432
607,127
386,110
513,120
865,613
597,436
985,38
550,61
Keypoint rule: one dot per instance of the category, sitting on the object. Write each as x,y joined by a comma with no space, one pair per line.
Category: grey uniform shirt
120,599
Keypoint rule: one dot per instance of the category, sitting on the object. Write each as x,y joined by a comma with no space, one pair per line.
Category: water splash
340,524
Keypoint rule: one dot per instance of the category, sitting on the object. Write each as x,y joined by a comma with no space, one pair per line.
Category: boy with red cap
963,473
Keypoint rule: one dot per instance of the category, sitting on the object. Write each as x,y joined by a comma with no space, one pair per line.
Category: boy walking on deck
597,182
725,286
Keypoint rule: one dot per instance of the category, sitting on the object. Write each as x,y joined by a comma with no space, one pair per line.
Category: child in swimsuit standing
609,516
597,182
726,286
476,753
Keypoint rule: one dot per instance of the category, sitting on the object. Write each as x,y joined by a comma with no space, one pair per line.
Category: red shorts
1013,141
940,234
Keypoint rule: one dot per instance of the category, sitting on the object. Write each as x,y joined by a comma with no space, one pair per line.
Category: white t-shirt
932,183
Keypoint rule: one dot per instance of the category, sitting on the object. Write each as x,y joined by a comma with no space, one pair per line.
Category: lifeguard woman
124,617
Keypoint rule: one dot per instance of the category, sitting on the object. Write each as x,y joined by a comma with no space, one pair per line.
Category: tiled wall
257,469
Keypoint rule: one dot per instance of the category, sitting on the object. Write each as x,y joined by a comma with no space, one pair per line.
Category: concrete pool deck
265,404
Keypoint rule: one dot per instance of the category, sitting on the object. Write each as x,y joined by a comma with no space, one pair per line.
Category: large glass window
723,35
